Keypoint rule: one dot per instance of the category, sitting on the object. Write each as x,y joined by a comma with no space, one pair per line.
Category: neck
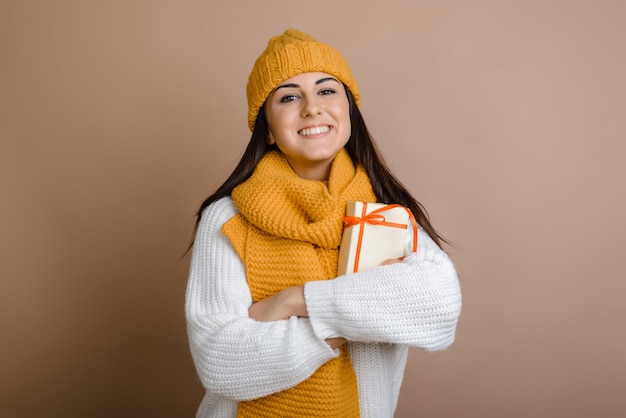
317,170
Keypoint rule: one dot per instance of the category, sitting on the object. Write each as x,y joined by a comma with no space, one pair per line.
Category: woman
273,332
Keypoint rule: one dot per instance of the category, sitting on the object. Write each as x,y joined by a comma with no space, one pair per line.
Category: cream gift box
374,233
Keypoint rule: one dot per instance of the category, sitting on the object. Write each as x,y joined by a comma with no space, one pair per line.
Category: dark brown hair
362,150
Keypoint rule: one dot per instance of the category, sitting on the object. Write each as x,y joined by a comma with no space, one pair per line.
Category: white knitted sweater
381,312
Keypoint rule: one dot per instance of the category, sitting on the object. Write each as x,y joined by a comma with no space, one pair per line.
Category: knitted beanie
292,53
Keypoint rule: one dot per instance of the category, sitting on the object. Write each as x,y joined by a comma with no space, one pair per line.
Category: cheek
346,125
342,110
346,132
278,122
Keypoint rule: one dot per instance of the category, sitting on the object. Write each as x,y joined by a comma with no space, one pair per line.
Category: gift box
374,233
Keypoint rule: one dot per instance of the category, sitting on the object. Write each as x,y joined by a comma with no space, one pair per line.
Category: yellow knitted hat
292,53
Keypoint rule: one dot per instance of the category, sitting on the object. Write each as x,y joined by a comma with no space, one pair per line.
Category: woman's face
308,119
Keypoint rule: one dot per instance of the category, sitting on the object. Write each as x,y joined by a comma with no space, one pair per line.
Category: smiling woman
273,331
308,119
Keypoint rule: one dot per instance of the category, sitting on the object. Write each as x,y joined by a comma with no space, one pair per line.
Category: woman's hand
392,261
335,342
283,305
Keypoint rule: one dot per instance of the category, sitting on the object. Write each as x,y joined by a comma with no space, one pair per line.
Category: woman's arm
235,356
412,300
283,305
415,302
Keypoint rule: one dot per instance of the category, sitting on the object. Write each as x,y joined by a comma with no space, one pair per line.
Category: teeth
315,131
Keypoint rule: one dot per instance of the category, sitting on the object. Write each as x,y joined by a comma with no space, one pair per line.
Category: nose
310,106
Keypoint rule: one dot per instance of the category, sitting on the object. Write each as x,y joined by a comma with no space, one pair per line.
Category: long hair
360,147
387,188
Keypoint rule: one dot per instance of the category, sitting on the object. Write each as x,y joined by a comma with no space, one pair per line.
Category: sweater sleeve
235,356
416,302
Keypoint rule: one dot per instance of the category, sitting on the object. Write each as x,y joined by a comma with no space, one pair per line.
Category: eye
325,92
288,98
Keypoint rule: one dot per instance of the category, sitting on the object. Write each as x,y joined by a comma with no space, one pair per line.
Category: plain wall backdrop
505,118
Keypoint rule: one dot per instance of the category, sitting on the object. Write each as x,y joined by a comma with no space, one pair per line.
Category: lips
316,130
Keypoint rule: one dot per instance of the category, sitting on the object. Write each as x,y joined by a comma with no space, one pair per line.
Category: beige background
505,118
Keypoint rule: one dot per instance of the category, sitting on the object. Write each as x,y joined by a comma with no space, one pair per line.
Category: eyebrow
294,85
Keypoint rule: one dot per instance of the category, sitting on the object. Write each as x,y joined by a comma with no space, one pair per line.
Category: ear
270,139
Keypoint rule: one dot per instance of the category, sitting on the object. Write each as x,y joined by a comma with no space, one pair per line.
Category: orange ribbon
375,218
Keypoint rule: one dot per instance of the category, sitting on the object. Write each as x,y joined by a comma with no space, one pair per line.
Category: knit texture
413,303
288,233
288,55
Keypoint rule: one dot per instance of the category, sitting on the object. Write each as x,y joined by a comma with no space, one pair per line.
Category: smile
314,131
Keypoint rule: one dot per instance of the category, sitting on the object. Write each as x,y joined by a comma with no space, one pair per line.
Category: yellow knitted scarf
287,233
